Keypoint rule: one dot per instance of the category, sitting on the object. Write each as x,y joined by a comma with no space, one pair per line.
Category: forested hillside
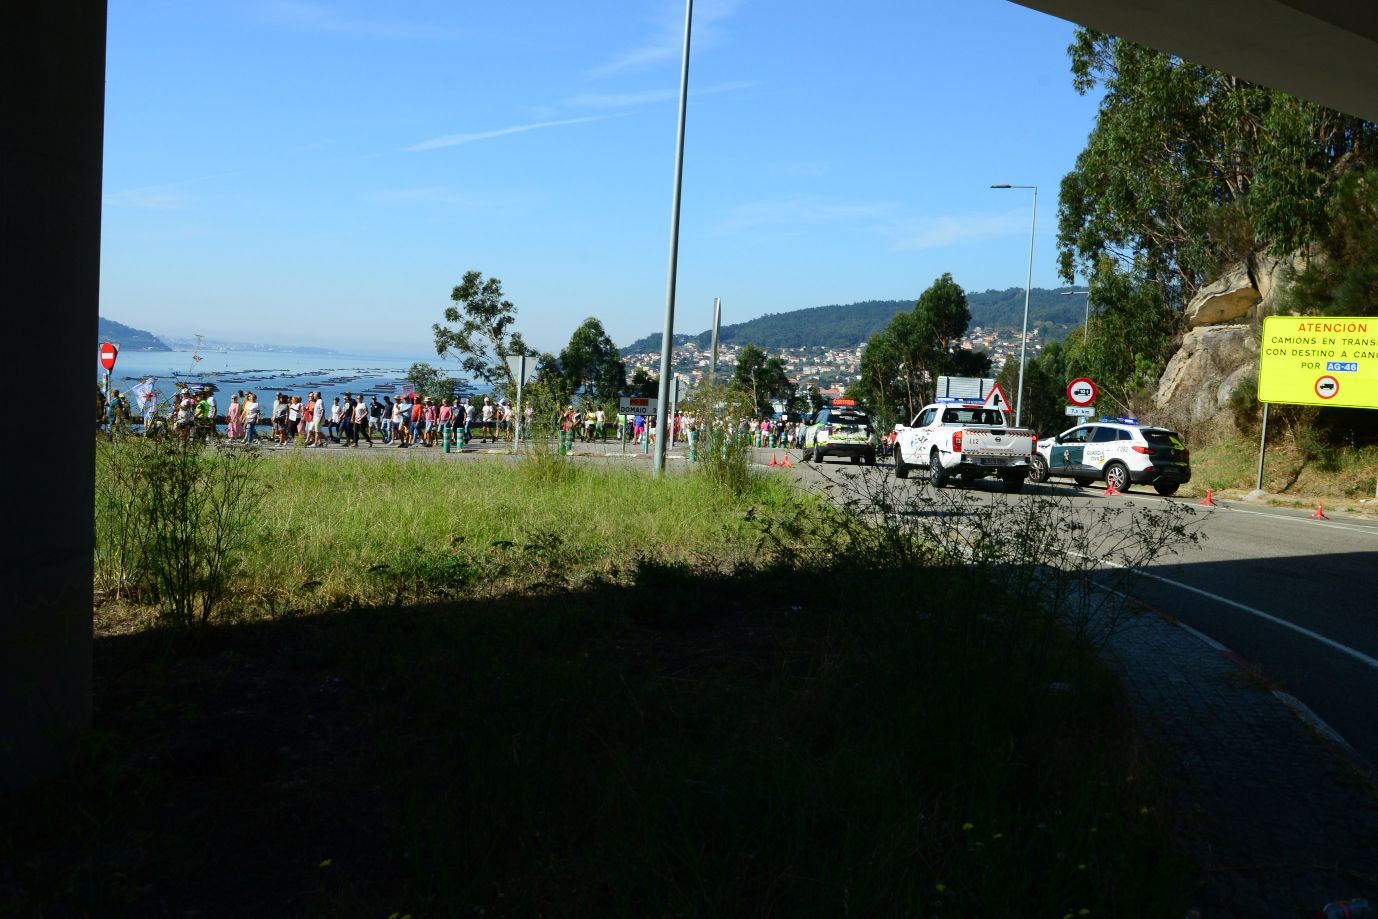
845,326
127,337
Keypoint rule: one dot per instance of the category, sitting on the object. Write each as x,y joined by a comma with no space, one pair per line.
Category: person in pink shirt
446,419
428,416
232,427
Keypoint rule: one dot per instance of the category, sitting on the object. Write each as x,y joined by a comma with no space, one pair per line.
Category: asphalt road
1296,597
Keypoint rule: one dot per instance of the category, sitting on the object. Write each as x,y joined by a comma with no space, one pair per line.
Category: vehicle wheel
1117,477
808,455
901,467
856,459
1166,488
817,455
937,475
871,458
1013,483
1085,482
1038,469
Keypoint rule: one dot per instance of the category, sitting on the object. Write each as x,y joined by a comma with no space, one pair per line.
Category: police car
841,429
1118,451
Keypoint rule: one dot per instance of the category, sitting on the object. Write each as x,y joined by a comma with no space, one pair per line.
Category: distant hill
846,326
127,337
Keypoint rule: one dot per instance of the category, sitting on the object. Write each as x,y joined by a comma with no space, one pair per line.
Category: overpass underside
1325,51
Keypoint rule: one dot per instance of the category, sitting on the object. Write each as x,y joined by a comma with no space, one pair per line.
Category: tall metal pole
1024,342
1262,450
717,323
667,339
1028,287
1086,324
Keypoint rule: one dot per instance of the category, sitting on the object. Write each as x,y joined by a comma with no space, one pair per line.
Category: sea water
265,373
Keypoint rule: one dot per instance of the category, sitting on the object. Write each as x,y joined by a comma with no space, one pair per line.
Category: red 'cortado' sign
108,353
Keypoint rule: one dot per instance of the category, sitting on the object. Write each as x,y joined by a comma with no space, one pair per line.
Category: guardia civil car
1119,452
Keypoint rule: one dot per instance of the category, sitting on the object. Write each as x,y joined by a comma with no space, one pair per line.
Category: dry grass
1231,465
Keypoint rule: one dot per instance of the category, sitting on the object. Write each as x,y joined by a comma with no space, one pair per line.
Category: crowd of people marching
410,420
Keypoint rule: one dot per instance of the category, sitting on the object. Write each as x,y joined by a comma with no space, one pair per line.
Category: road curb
1318,726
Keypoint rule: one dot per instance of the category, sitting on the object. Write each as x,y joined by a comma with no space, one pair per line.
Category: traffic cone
1206,501
1317,514
774,461
1111,491
787,464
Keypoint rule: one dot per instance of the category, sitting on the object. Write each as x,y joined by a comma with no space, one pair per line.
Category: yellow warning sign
1319,360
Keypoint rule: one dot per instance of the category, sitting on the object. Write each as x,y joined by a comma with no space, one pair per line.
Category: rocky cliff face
1220,348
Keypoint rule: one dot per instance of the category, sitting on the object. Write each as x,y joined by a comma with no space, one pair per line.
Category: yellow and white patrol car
841,429
1118,451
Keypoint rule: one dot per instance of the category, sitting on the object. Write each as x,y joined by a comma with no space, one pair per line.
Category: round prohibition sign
1081,391
1327,387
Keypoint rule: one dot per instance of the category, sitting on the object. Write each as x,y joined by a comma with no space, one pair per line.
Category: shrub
173,518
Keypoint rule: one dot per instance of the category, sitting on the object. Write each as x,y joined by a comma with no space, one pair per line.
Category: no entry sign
108,353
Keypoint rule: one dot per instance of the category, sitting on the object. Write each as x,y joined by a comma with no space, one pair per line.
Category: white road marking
1372,531
1359,656
1298,707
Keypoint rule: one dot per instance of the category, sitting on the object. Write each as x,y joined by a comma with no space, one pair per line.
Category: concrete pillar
52,114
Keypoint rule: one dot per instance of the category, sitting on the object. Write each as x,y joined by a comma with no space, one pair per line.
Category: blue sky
324,173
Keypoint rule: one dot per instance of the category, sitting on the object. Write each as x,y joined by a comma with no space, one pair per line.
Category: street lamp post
717,321
1028,286
667,339
1086,324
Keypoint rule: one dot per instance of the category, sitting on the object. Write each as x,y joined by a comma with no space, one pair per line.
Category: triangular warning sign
996,398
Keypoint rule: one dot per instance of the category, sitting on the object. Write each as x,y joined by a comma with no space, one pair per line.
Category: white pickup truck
967,441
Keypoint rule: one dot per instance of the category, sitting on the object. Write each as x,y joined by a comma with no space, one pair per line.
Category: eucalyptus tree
591,364
1188,168
478,330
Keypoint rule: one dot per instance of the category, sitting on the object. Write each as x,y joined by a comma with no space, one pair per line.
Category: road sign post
523,369
109,351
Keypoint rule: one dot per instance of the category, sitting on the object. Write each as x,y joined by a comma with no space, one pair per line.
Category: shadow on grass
771,742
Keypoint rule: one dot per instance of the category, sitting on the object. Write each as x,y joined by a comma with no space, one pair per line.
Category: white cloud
647,97
667,41
318,17
456,140
796,211
165,197
956,229
445,195
148,199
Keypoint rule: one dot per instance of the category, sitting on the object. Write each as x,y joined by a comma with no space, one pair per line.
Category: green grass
352,530
695,733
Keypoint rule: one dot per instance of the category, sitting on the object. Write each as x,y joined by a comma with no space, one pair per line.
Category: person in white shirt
489,431
335,420
398,439
361,422
600,419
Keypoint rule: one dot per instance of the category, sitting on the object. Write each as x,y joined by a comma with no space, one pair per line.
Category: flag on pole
143,397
